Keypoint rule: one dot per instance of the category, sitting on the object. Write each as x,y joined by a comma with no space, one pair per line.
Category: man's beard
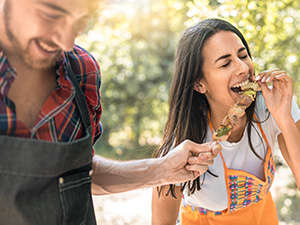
24,54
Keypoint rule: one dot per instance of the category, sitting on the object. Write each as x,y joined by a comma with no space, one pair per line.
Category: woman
212,60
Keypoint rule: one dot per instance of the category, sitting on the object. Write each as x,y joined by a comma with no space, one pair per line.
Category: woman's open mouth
238,88
246,86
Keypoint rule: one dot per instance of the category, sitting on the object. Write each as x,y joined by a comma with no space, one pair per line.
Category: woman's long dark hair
188,109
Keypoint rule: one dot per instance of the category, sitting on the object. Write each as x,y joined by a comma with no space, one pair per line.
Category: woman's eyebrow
222,57
227,55
241,49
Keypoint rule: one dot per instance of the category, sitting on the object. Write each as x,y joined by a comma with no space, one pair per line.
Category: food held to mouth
246,86
247,91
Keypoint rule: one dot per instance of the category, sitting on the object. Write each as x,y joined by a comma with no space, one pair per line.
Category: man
49,120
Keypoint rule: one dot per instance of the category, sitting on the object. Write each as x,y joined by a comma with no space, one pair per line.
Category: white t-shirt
238,155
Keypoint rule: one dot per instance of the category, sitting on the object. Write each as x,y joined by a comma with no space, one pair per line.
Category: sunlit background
134,42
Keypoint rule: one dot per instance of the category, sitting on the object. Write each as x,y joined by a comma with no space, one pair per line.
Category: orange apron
249,199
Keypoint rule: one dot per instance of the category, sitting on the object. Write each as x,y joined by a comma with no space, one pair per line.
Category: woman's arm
279,102
165,208
289,144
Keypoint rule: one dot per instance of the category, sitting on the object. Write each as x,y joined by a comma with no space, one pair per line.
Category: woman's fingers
262,76
278,79
270,75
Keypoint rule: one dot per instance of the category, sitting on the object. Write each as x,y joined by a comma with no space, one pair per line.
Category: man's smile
47,48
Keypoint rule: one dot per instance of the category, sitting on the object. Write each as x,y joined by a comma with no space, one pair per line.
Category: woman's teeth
240,85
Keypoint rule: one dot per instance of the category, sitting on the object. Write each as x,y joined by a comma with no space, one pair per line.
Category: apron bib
47,183
249,199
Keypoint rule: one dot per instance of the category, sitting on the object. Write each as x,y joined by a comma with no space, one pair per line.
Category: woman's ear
200,87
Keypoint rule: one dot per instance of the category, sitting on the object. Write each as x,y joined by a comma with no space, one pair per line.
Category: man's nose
65,37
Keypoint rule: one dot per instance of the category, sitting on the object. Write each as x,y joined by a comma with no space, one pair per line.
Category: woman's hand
278,98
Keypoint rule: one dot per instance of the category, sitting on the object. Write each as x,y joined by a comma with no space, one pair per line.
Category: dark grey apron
44,183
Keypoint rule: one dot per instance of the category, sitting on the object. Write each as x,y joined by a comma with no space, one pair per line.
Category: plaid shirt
58,120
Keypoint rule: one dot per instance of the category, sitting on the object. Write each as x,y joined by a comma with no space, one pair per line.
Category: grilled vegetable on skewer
247,92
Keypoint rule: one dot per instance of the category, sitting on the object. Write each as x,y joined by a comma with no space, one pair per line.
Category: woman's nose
242,67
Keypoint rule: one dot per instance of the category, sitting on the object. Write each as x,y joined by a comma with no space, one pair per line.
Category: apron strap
79,97
261,130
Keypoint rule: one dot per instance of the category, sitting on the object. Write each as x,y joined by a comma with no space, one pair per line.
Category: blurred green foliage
288,205
135,42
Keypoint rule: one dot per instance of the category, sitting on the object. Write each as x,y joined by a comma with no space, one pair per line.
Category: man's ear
200,87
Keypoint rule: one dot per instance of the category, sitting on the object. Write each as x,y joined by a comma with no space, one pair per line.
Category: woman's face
226,63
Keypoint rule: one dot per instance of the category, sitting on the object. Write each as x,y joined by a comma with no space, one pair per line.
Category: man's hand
188,160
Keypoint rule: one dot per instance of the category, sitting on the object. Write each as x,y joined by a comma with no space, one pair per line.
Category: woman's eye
226,64
244,56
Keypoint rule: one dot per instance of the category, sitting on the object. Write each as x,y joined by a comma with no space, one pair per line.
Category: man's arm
112,176
177,166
